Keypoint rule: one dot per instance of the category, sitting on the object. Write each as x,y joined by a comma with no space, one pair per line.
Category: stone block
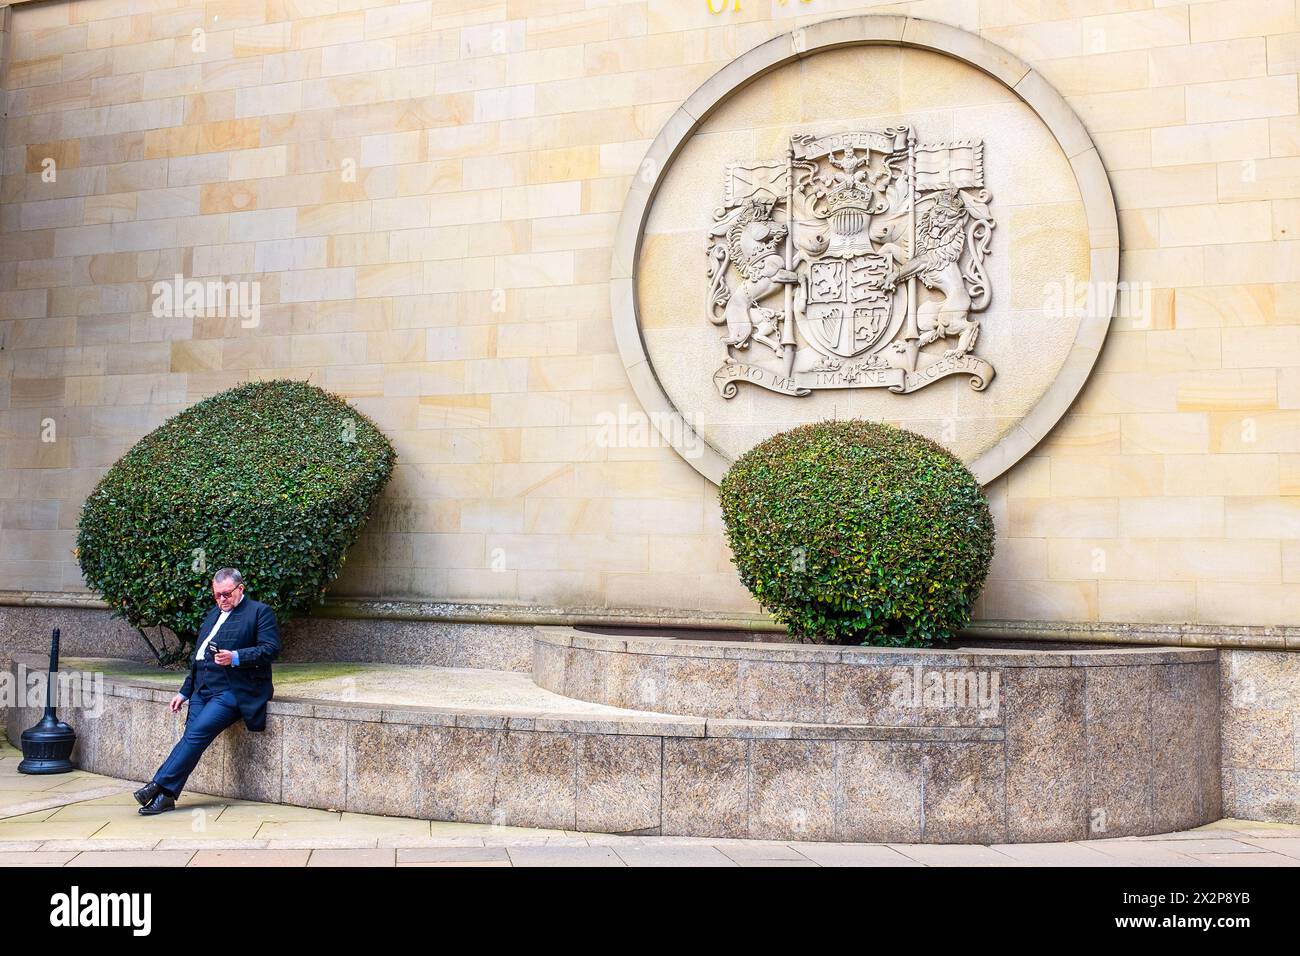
619,783
314,768
536,780
636,681
778,691
1117,714
1272,795
254,764
549,665
1177,803
864,694
878,794
706,787
462,776
705,686
584,674
367,772
792,790
965,793
1046,752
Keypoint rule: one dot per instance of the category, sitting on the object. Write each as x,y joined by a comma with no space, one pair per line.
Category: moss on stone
282,673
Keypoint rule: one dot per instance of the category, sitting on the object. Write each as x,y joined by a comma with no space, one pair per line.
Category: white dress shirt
221,619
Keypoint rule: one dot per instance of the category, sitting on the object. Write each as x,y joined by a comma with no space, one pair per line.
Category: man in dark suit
230,677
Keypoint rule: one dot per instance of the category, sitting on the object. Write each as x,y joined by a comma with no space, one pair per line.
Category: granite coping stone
873,656
780,730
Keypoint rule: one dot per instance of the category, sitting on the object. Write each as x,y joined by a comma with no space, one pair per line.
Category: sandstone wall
425,195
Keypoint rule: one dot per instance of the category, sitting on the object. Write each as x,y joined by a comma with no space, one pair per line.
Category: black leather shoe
159,804
146,793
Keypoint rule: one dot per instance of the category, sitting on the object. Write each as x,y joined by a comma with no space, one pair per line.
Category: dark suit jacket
251,630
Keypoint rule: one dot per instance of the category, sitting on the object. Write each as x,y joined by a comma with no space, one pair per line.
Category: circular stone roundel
873,217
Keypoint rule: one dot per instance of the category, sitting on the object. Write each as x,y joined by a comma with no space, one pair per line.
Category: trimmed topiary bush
273,478
854,532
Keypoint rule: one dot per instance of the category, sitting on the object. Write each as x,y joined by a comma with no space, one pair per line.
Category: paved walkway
85,819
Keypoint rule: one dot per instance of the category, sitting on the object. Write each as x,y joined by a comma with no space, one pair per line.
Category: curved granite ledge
813,683
1145,763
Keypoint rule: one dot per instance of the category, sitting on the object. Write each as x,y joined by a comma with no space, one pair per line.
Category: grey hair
228,574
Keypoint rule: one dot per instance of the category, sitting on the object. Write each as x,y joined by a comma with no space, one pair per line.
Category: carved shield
850,310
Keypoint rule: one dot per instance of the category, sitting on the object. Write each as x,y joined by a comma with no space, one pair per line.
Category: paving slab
101,844
489,830
24,829
180,843
613,839
399,842
1200,833
1246,859
953,854
497,863
31,816
1138,853
277,813
1056,854
15,802
122,798
1287,846
131,858
674,856
453,854
794,863
762,852
91,780
35,857
564,856
366,857
104,812
854,854
250,858
349,824
1225,845
19,846
176,825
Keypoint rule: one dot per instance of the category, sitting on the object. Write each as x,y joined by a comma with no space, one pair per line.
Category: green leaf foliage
855,532
273,478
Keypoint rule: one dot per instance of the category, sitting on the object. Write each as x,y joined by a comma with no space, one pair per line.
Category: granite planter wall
1078,750
1076,742
1260,691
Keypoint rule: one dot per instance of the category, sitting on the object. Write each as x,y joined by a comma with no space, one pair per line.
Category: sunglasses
226,594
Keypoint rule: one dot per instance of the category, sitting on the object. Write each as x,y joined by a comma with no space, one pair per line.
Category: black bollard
47,747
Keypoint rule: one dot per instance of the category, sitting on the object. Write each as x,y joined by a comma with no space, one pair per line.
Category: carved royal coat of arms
858,262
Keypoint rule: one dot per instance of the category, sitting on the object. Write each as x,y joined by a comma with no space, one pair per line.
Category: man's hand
222,657
176,703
